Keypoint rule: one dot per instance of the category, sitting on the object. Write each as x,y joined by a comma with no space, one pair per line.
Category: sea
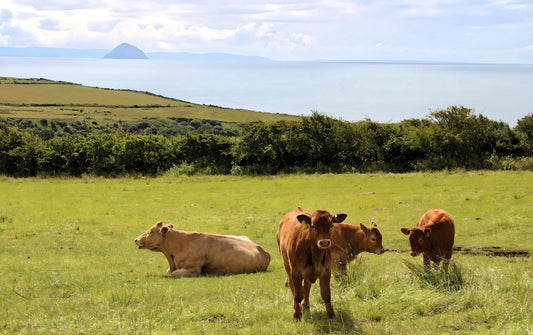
348,90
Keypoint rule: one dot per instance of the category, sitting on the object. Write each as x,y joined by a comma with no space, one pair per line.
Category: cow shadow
343,323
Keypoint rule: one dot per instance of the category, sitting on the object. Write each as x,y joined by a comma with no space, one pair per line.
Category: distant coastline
381,91
42,52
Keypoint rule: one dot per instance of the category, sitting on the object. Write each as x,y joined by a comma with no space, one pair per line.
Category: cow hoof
329,312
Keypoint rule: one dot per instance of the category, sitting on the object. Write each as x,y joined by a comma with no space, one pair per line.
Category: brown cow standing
190,254
348,241
304,242
433,237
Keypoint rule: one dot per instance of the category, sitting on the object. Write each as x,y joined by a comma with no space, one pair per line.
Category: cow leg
190,272
307,289
288,279
446,263
325,292
172,266
427,263
298,293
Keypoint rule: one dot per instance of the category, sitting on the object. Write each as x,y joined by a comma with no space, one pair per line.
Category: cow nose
324,244
413,253
136,240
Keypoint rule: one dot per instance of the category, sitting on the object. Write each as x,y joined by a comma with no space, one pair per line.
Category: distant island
126,51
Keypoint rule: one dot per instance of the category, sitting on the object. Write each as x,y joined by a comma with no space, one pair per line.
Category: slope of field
42,98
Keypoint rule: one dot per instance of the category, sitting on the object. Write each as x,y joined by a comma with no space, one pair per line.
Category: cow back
442,228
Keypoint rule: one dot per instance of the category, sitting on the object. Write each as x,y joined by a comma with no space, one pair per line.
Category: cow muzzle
414,253
138,243
324,244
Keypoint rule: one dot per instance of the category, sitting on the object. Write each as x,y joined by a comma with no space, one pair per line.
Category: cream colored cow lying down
190,254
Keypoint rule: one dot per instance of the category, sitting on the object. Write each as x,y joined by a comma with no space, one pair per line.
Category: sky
479,31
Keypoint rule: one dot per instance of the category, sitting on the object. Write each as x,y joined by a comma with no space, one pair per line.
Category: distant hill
101,53
126,51
52,52
47,99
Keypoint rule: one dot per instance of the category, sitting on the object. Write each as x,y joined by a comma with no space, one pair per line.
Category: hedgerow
455,138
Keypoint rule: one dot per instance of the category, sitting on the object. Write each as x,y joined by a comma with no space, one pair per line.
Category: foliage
524,129
455,138
168,127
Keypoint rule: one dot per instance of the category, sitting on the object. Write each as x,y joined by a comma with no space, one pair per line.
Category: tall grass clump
437,277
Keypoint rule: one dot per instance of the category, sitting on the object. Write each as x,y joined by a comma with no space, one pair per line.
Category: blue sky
486,31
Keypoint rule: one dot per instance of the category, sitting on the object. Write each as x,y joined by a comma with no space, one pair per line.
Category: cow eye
420,241
373,239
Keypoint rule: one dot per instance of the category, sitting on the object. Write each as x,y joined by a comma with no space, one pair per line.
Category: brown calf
348,241
304,242
433,237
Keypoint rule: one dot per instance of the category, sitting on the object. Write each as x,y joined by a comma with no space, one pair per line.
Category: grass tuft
436,277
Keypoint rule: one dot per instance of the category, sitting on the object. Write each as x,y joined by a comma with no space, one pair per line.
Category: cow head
419,239
373,239
153,237
320,224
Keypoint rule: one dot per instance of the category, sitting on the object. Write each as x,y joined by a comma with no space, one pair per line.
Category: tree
524,130
18,152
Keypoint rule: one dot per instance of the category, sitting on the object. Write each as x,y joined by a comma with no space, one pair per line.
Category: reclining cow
190,254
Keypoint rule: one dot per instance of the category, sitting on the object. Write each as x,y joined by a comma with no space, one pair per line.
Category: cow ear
405,231
160,223
340,217
304,219
427,232
374,225
164,230
170,225
363,227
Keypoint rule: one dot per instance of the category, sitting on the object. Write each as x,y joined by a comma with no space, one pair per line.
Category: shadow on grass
436,277
343,323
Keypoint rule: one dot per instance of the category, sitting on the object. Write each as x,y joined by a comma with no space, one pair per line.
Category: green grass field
69,264
46,99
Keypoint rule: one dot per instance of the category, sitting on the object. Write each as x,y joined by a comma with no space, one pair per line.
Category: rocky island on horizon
126,51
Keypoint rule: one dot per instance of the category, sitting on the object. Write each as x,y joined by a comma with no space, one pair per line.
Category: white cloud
5,16
280,29
48,24
102,26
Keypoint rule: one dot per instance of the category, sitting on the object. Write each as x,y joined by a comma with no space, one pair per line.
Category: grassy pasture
46,99
69,263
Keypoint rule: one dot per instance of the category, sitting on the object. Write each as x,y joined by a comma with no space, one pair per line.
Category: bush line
454,138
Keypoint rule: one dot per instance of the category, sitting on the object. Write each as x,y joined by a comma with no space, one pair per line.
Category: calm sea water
348,90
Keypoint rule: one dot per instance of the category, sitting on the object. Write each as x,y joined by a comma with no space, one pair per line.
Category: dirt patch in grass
492,251
483,251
